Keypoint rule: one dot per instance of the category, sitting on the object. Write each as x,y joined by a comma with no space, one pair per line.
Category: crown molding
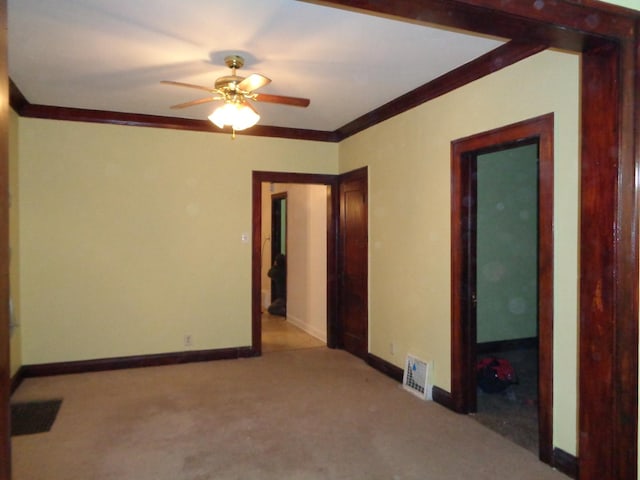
25,109
497,59
501,57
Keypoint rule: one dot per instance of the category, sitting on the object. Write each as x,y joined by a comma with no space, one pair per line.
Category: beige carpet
303,414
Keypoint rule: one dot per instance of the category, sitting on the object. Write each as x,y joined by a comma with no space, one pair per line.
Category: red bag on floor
494,374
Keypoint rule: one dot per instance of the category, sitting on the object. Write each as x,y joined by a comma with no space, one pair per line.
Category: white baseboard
314,332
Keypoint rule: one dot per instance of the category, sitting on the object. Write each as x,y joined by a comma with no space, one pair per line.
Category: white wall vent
416,377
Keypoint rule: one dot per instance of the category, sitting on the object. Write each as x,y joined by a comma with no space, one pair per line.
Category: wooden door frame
5,359
463,339
258,178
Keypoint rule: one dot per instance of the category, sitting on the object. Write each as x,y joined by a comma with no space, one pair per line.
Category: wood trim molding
258,177
463,320
389,369
565,463
16,380
562,24
497,59
444,398
139,120
25,109
5,335
438,394
608,331
137,361
16,98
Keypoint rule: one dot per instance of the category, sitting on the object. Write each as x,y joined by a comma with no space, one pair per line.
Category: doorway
260,257
294,275
278,229
346,227
277,271
469,241
506,300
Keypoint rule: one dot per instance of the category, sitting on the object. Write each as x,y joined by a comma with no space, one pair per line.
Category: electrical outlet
188,341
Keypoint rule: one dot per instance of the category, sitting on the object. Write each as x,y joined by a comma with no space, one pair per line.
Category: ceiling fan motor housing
228,83
236,89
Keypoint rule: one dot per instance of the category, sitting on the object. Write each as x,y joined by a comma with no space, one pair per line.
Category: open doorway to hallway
346,293
293,266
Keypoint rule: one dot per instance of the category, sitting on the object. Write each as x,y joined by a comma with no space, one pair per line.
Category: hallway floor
514,412
279,335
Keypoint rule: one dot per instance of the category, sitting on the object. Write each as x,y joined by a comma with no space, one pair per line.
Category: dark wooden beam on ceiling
562,24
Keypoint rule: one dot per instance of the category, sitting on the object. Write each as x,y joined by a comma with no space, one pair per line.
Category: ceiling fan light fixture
238,94
238,115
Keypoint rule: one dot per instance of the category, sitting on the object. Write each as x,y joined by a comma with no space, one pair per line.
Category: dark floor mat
33,417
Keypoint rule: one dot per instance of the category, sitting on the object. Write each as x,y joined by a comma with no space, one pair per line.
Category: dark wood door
353,262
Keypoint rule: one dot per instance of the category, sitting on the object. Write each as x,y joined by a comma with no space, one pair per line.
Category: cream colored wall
131,237
15,345
307,258
409,216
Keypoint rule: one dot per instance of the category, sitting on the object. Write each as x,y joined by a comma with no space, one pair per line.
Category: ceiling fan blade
189,85
196,102
253,82
295,101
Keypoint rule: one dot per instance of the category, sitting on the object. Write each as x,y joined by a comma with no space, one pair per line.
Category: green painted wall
507,244
634,4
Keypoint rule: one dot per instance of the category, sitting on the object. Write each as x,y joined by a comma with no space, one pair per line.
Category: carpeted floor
514,412
305,414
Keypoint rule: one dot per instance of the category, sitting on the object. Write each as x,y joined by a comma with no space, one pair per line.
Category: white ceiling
112,54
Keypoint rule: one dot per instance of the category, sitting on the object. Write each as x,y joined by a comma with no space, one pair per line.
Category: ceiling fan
237,93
